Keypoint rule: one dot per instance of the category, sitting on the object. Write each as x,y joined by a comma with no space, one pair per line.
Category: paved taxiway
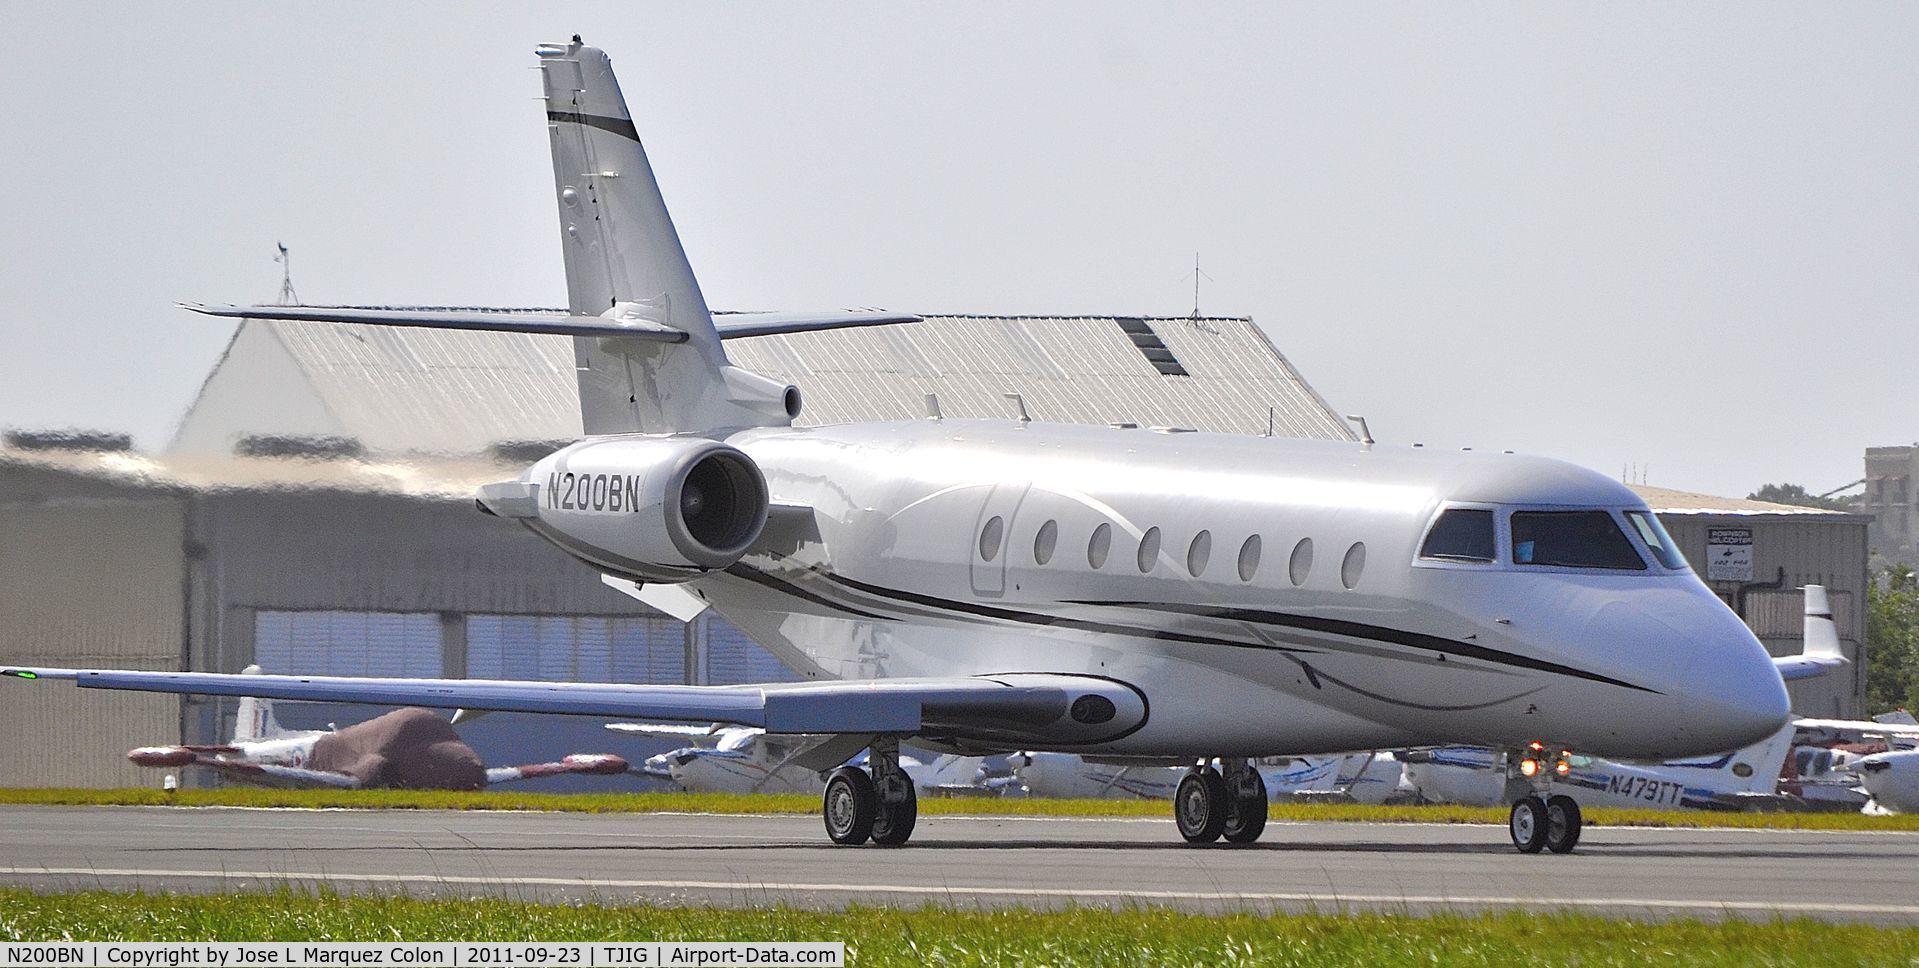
964,861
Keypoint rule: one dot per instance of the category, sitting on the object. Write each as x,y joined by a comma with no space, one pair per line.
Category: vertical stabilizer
624,262
255,721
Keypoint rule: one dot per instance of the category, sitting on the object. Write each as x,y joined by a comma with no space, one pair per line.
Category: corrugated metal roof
419,390
1667,501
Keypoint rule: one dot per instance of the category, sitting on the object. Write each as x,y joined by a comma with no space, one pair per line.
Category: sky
1677,241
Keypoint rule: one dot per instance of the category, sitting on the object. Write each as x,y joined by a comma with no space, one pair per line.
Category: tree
1892,641
1796,496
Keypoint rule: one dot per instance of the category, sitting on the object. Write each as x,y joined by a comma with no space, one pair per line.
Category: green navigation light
22,673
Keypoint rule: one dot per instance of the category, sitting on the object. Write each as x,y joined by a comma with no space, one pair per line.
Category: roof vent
312,446
525,451
1151,346
69,439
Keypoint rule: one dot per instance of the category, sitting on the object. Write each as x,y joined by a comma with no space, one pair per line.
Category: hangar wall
67,550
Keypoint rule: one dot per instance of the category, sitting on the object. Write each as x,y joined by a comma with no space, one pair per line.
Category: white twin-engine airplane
989,585
411,749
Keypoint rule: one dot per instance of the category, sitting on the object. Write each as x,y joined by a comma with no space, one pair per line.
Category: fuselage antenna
1365,435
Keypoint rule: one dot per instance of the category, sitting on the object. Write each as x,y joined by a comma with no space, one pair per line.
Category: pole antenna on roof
1198,274
287,296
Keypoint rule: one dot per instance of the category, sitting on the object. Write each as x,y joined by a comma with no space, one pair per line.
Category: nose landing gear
1540,819
882,807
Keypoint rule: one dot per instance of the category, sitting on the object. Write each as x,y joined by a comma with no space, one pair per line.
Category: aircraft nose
1734,696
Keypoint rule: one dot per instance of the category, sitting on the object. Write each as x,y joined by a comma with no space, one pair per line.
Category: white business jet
995,585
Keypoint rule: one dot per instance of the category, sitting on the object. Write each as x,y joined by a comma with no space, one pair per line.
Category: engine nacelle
653,509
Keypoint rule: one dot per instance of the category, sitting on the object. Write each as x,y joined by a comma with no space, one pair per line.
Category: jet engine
652,509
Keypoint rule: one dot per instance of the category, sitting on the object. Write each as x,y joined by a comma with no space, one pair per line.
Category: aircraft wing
667,730
488,320
248,770
1016,709
593,764
1863,726
736,325
1821,652
729,325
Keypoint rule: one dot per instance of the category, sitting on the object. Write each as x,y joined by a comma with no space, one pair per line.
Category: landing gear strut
1540,819
1209,805
882,807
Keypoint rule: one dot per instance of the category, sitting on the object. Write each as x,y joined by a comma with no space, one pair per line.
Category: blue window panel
322,643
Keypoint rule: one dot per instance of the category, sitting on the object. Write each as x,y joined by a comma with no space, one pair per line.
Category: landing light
1563,767
1528,767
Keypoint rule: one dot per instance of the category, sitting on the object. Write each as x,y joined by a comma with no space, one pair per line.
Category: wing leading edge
1020,709
629,326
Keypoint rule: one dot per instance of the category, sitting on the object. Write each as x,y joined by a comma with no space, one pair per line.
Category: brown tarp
407,749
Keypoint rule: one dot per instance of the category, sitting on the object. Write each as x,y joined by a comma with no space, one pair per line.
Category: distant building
315,515
402,391
1889,497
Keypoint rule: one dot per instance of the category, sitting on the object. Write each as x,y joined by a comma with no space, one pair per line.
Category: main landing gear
1540,819
1210,804
881,807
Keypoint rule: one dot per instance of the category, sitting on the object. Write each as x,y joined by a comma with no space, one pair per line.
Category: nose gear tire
1562,824
1527,823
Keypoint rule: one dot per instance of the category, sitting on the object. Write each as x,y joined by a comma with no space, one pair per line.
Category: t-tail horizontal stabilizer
1821,653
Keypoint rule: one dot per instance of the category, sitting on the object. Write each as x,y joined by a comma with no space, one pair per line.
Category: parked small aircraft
1365,777
409,749
745,759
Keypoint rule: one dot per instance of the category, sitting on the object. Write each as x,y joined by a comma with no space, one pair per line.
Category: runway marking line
923,890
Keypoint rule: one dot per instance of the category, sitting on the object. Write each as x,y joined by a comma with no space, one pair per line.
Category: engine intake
653,509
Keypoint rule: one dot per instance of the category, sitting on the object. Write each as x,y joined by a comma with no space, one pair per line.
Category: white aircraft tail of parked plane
410,748
992,585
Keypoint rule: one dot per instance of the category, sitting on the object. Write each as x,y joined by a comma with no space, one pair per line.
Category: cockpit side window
1460,534
1654,535
1572,539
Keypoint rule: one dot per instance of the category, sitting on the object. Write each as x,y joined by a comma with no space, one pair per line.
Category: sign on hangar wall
1729,554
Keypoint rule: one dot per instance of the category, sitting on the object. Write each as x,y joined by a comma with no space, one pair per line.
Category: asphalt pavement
968,862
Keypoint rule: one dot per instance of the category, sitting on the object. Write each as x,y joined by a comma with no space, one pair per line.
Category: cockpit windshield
1572,539
1461,534
1654,535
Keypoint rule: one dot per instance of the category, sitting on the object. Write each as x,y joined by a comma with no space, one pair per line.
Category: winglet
1821,652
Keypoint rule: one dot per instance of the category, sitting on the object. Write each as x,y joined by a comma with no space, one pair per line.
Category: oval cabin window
989,538
1249,558
1100,546
1197,553
1302,563
1148,549
1044,541
1354,565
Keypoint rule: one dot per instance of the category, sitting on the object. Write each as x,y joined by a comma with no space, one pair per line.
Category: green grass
878,937
777,803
